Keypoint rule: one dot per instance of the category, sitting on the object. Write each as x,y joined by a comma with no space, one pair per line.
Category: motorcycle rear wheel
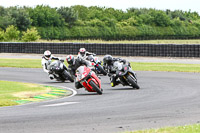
69,77
133,83
95,87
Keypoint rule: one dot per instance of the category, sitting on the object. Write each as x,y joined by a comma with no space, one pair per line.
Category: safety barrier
154,50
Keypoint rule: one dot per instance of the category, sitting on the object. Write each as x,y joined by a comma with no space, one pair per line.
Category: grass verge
137,66
21,63
11,91
169,67
180,129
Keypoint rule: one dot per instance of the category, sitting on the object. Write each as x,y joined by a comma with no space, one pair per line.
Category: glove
129,64
50,72
109,74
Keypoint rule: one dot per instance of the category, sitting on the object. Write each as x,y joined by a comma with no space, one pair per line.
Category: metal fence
153,50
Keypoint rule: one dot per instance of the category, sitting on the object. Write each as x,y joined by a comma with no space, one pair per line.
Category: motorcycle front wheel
132,81
95,87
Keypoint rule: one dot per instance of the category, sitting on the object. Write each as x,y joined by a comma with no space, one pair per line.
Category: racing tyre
68,76
102,70
132,81
95,87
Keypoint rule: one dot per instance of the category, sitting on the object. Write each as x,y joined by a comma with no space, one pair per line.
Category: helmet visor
82,53
48,56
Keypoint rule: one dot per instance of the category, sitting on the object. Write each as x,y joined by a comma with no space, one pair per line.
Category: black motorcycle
125,74
57,69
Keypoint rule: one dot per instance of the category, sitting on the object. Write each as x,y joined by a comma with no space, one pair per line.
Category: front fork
129,74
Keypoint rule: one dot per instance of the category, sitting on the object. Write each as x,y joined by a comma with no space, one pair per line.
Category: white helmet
82,52
47,54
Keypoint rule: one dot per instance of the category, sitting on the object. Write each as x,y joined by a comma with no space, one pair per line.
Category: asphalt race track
165,99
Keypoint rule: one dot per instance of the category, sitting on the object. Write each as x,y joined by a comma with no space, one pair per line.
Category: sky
185,5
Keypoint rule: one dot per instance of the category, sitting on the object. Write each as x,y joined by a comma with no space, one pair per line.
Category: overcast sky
184,5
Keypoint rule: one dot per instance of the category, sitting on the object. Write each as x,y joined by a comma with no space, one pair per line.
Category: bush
11,33
1,35
30,35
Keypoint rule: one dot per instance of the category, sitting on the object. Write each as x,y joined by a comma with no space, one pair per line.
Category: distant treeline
80,22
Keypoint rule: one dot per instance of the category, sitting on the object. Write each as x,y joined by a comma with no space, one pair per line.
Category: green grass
10,91
21,63
181,129
171,67
191,41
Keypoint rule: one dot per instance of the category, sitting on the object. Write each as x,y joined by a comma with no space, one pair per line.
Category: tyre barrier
153,50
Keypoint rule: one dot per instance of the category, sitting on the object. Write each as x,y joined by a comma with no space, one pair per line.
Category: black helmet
107,59
70,59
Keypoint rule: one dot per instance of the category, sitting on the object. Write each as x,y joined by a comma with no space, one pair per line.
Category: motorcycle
125,74
57,69
88,79
96,64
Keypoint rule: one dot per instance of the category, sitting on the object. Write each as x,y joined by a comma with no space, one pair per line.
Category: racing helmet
82,52
47,54
70,59
107,59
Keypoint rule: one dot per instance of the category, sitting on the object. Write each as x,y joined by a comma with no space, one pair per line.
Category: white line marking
60,104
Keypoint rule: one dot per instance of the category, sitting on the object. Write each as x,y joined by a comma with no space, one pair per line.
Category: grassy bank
181,129
171,67
11,91
192,41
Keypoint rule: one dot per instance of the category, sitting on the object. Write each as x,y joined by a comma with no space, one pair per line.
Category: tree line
80,22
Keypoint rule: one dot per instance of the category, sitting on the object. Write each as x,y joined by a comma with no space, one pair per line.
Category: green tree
5,18
5,21
69,14
20,17
160,18
82,12
44,16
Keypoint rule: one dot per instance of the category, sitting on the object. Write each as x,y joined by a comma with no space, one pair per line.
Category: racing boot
78,85
51,76
114,81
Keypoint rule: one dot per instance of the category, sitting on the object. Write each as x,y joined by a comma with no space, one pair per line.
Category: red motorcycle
89,79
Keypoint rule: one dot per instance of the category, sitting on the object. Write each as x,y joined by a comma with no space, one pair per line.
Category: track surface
165,99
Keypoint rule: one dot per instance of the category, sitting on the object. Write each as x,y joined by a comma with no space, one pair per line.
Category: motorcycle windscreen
118,66
82,72
54,64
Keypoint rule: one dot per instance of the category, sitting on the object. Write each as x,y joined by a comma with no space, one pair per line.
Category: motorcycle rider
84,54
46,61
108,62
73,65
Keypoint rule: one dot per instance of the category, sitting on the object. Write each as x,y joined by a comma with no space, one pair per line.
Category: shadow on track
115,89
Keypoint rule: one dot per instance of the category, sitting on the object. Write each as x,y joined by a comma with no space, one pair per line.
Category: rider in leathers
84,54
73,65
46,61
108,62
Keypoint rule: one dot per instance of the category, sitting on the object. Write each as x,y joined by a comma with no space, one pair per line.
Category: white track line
60,104
63,103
